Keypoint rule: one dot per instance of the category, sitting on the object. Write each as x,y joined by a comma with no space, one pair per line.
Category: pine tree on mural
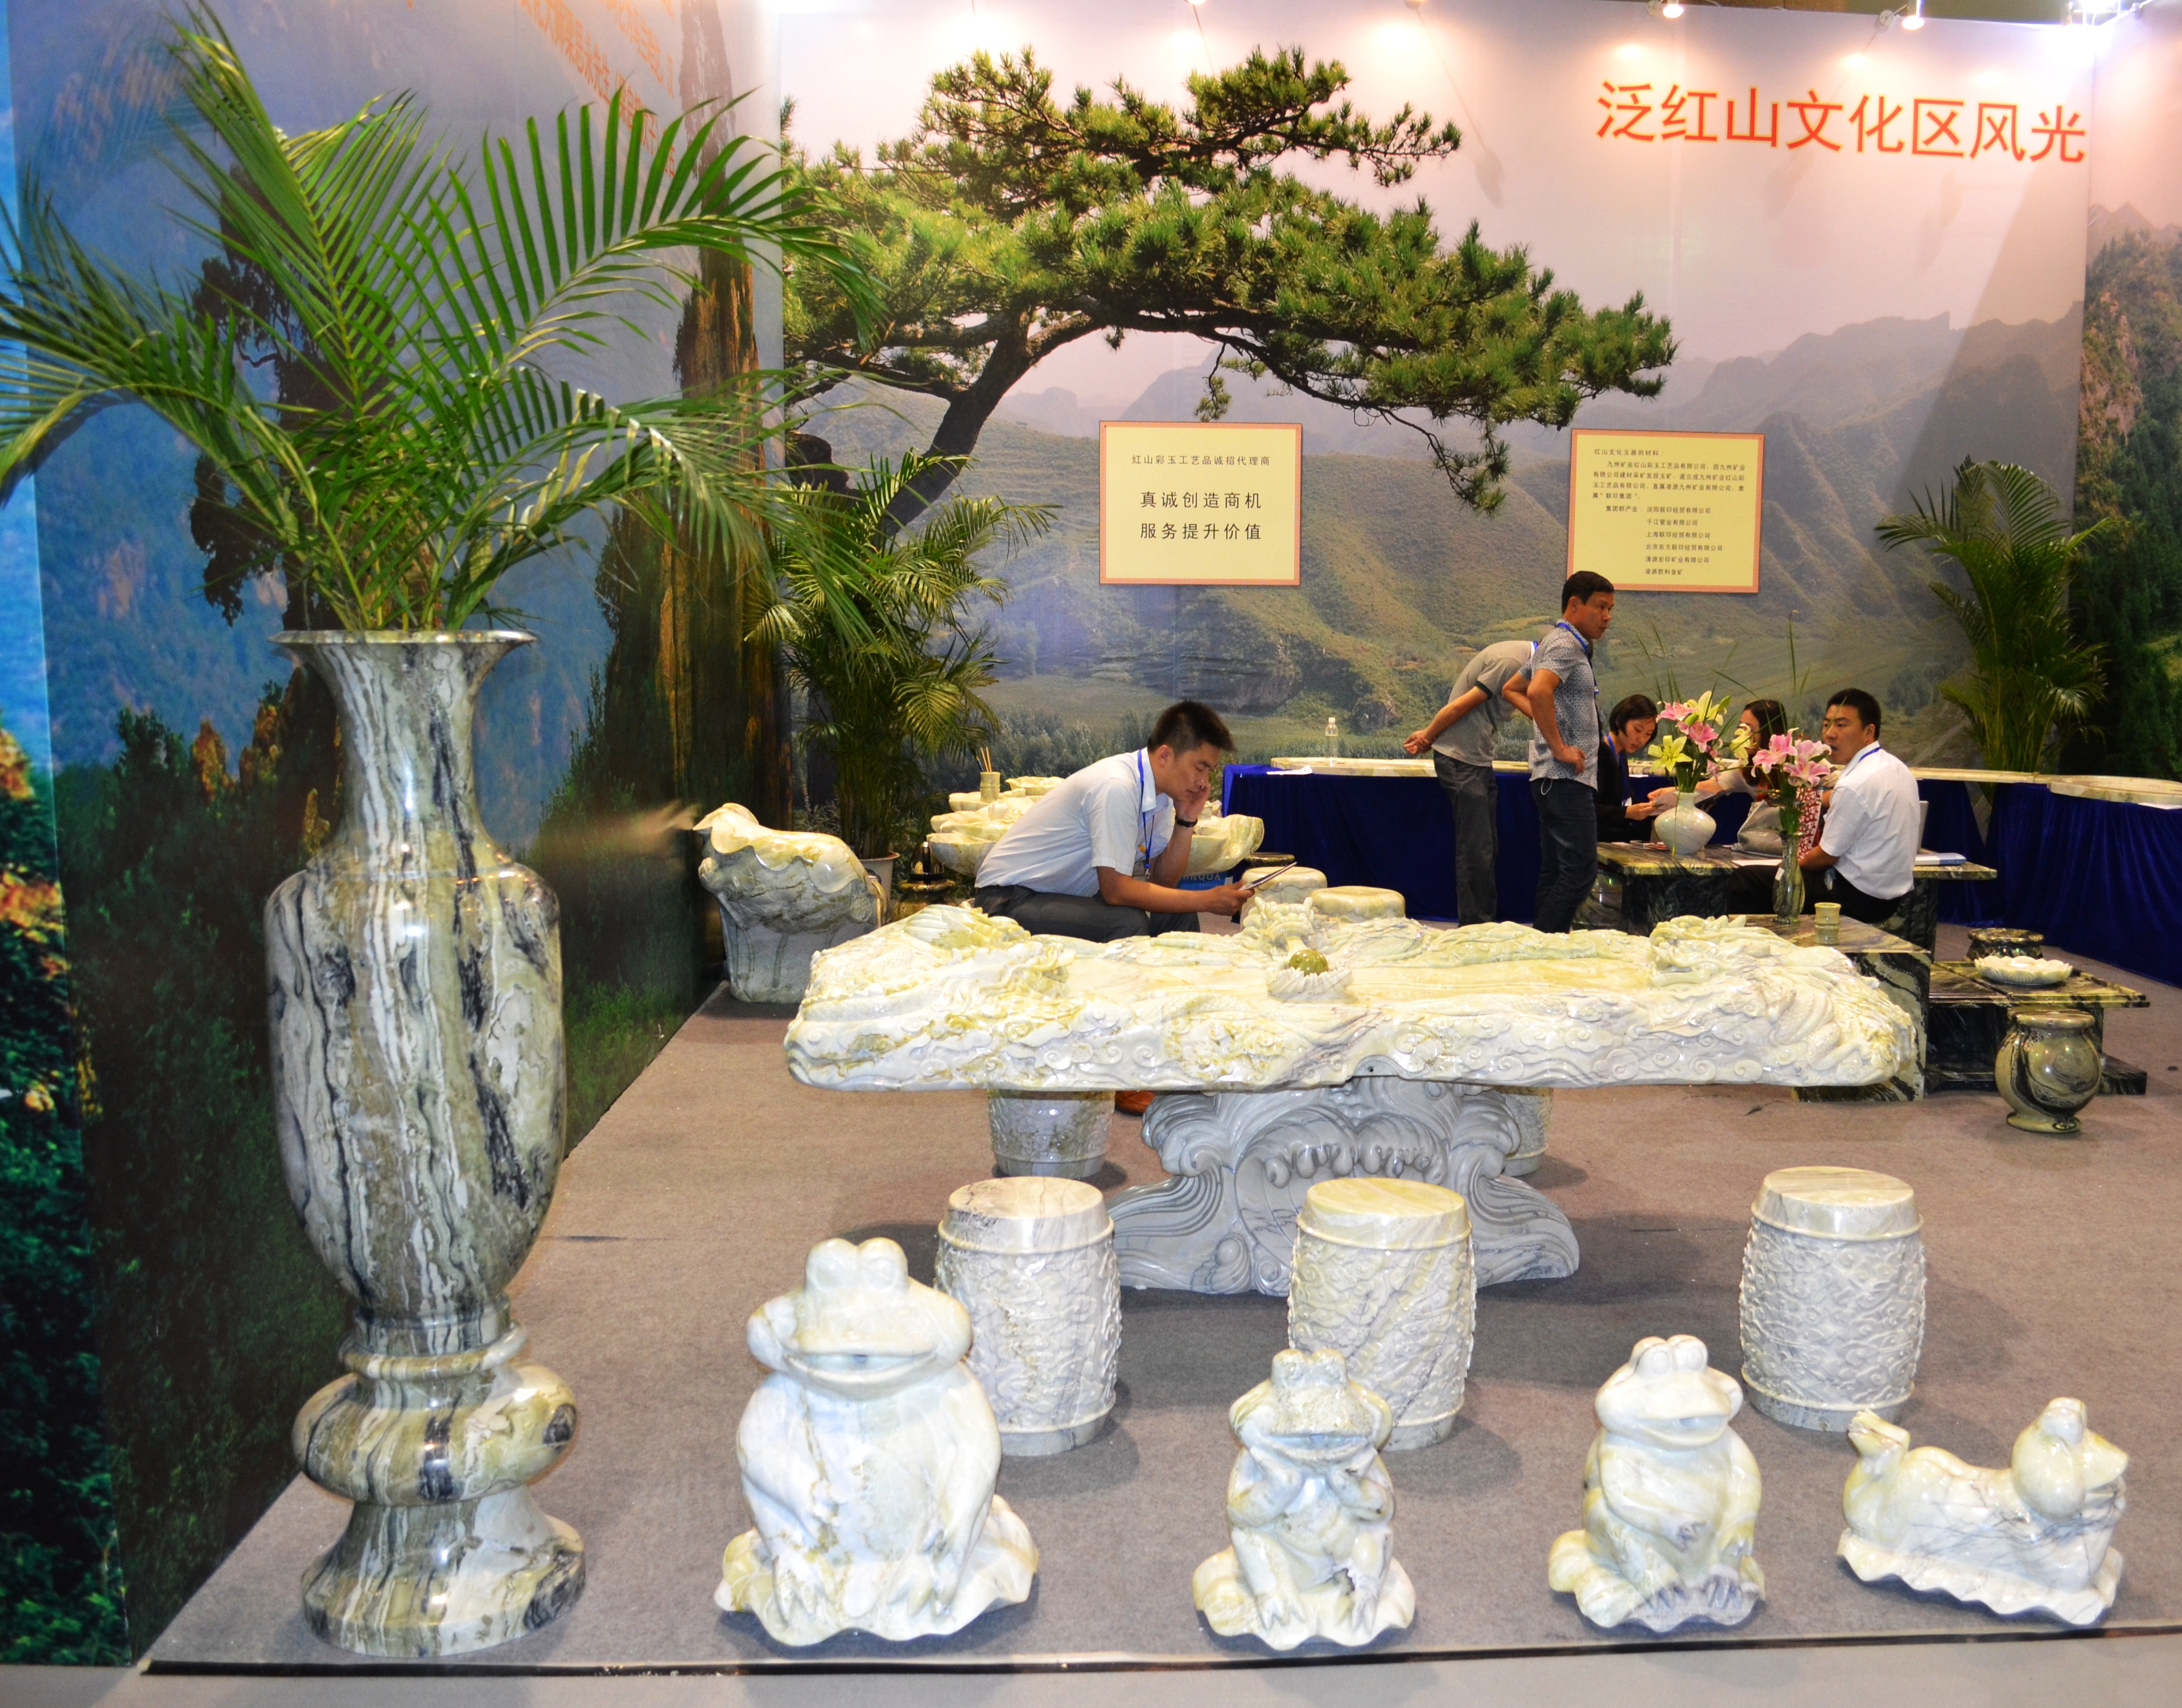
1010,223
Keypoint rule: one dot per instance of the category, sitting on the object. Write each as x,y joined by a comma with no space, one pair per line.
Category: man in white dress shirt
1100,856
1866,857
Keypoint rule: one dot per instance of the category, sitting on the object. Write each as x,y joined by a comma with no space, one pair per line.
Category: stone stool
1383,1275
1032,1262
1061,1133
1833,1296
1348,902
1291,888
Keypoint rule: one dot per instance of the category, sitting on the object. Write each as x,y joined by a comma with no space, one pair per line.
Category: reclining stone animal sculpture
868,1458
784,896
2034,1537
1309,1512
1670,1498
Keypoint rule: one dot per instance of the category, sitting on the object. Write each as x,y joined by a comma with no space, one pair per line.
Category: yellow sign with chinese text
1200,504
1667,513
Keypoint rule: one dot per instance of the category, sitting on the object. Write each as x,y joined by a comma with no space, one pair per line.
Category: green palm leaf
443,309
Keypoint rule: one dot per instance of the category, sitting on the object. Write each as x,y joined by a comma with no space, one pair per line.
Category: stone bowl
2024,972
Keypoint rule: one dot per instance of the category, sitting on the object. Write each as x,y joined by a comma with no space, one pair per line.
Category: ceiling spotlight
1663,9
1916,20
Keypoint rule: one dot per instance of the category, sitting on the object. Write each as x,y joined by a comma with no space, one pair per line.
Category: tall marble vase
418,1072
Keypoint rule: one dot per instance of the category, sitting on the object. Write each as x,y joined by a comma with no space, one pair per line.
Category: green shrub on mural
60,1584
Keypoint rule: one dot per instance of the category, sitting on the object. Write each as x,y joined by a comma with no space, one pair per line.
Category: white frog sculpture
1310,1511
2034,1537
868,1458
1669,1501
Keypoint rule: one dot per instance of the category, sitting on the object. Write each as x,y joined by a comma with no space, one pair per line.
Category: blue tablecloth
1397,832
2096,877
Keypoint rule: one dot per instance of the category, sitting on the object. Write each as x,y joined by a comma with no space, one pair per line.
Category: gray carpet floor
2052,1266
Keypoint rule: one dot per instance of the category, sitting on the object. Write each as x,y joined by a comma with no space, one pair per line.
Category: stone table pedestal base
1242,1162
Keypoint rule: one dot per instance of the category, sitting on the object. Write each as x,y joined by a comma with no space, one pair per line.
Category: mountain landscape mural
1400,582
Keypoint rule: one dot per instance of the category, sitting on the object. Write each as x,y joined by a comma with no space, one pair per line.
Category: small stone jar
1032,1262
2048,1068
1833,1296
1061,1133
1384,1276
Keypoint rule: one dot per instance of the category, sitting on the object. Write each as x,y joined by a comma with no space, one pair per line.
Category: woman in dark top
1629,730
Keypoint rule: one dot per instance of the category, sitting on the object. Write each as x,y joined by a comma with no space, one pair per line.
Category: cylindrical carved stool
1383,1275
1533,1112
2048,1067
1997,939
1291,887
1060,1133
1833,1296
1347,902
1032,1262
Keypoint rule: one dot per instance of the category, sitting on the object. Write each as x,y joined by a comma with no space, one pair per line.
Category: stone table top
1957,982
949,998
1856,938
1647,859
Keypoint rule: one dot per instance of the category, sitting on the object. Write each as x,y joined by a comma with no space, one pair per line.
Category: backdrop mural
1866,244
165,770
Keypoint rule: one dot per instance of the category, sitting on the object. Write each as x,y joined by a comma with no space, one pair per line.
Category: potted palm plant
437,305
2031,681
876,624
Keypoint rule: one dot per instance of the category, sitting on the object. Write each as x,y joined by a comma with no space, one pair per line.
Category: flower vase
1686,827
419,1074
1788,880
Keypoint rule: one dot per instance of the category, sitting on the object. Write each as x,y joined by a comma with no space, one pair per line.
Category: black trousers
1088,917
1855,903
1474,793
1568,848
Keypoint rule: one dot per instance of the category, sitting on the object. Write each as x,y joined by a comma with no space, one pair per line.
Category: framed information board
1667,513
1200,503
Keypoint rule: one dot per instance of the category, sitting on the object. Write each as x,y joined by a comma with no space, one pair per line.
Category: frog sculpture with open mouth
868,1458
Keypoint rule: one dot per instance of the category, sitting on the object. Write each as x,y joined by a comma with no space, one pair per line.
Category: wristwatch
1185,824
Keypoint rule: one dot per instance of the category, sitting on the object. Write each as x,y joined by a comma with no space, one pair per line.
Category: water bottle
1332,738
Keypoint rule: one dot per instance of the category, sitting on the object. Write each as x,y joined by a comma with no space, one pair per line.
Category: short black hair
1188,725
1583,587
1857,701
1772,717
1636,707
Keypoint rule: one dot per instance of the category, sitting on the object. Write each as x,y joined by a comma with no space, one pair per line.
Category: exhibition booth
545,1132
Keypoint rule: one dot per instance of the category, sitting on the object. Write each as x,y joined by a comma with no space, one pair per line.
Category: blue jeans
1474,793
1568,849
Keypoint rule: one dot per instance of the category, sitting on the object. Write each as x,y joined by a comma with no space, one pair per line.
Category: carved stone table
1413,1066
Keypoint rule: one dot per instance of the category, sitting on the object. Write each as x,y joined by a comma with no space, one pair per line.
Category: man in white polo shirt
1099,858
1866,857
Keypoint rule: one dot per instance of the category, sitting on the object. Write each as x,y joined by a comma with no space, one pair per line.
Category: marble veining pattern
951,999
784,896
2035,1536
414,976
1310,1514
868,1457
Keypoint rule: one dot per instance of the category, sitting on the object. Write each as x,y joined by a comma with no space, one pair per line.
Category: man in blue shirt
1565,750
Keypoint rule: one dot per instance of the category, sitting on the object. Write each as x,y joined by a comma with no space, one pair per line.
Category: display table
1969,1018
1397,1050
1901,969
1657,885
